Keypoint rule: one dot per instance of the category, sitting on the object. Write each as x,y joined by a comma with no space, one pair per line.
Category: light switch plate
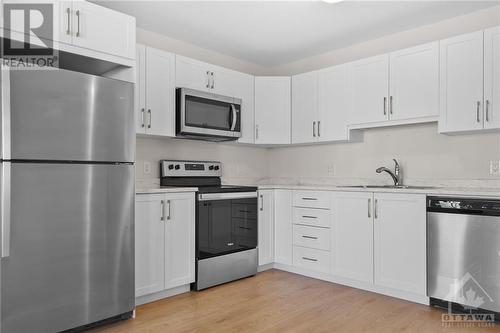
147,168
331,170
494,168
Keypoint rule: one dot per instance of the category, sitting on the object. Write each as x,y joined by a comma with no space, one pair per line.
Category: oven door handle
234,117
226,196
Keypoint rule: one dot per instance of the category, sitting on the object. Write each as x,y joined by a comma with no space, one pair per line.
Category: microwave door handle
235,117
5,204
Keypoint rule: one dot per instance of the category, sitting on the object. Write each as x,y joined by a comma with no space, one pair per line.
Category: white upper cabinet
243,88
400,242
305,108
103,29
272,110
461,107
192,74
155,92
334,104
492,78
414,82
369,80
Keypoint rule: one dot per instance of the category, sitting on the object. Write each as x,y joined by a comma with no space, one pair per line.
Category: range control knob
211,167
216,167
171,166
177,167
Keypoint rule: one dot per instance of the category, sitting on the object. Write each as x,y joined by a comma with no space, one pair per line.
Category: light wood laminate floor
277,301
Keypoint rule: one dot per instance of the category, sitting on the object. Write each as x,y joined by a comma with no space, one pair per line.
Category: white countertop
154,190
458,191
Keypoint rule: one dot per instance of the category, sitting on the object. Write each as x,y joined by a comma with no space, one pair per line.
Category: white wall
427,156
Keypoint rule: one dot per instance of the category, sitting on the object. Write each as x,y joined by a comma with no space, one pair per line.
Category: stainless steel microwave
207,116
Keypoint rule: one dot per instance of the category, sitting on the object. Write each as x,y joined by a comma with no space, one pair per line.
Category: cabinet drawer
313,217
315,260
312,199
312,237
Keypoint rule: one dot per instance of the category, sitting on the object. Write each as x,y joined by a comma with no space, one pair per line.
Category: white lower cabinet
283,227
164,242
266,227
312,259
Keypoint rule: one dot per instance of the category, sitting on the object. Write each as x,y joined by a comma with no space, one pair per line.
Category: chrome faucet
396,175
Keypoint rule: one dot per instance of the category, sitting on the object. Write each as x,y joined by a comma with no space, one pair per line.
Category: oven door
226,223
205,114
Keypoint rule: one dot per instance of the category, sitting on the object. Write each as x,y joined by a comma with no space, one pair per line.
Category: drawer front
312,237
312,199
313,217
315,260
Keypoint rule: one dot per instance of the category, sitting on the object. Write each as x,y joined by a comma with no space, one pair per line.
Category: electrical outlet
147,168
331,170
494,168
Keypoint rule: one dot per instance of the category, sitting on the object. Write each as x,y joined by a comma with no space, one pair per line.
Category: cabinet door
160,92
369,80
272,110
414,82
244,89
352,241
140,90
334,104
283,226
191,74
461,83
492,78
400,242
102,29
149,245
266,227
179,239
223,81
305,107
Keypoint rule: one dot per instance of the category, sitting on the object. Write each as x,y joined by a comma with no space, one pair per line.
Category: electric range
226,221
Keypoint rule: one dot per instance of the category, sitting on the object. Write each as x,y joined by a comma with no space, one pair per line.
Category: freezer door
65,115
71,252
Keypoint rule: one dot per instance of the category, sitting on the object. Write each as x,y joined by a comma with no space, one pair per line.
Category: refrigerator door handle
5,207
5,98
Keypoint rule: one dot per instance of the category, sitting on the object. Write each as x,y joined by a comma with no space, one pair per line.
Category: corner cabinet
164,242
266,227
272,110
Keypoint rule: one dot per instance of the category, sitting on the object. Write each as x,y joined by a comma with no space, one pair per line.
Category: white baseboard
266,267
162,294
408,296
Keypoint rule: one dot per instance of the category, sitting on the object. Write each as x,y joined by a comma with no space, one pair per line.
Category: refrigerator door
71,250
64,115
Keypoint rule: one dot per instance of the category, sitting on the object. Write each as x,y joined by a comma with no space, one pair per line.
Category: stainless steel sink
402,187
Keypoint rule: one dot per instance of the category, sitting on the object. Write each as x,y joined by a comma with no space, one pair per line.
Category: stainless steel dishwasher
463,252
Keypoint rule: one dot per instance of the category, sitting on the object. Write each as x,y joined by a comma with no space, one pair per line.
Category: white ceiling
274,33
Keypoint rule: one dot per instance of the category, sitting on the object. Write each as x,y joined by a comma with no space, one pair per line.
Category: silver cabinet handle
143,114
309,259
478,107
169,215
150,117
5,214
375,209
319,133
310,199
261,202
68,12
208,80
314,129
78,23
235,117
369,208
309,217
385,106
162,210
256,132
213,80
390,105
487,110
309,237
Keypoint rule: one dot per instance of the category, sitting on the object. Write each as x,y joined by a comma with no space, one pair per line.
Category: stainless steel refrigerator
67,200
